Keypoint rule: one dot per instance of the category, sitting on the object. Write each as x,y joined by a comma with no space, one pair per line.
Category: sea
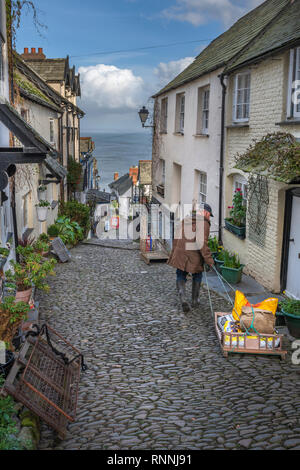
117,152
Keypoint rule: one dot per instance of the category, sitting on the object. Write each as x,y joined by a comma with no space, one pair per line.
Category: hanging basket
42,213
42,195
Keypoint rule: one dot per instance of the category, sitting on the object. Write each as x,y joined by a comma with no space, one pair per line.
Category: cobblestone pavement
156,378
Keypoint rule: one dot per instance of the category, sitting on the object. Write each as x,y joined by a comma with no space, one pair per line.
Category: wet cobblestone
157,378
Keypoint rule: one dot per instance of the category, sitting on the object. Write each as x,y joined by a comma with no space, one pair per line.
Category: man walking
190,252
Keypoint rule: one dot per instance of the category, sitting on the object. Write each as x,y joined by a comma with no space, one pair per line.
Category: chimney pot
116,176
25,50
33,50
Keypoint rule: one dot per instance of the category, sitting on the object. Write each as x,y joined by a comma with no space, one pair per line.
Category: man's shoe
195,293
182,296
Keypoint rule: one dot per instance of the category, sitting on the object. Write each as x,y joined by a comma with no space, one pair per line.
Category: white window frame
181,113
205,110
1,59
241,182
202,187
164,116
297,79
245,117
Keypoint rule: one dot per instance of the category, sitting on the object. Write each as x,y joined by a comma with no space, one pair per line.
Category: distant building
89,163
63,79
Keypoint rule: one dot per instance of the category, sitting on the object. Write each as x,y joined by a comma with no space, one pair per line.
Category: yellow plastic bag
241,301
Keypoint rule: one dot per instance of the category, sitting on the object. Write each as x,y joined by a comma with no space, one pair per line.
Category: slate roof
285,31
122,184
51,70
56,70
225,47
94,195
33,76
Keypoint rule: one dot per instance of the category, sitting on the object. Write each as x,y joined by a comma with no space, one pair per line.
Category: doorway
291,259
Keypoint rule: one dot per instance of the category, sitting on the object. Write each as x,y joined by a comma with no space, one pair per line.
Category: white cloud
198,12
110,89
166,71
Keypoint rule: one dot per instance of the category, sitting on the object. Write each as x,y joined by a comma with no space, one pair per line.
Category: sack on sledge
241,301
261,321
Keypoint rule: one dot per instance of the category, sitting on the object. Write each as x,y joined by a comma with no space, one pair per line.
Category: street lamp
144,114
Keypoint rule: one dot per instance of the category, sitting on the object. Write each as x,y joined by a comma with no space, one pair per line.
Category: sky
107,40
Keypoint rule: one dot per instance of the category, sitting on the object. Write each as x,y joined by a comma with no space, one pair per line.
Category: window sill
238,125
180,134
290,122
201,135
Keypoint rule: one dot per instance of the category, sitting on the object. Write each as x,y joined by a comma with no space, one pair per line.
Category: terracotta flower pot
24,296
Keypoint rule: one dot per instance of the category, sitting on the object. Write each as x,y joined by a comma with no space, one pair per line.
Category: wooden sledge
149,256
243,344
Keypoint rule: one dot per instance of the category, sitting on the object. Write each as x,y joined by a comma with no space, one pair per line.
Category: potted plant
12,314
232,268
69,232
236,223
4,254
42,210
290,308
9,289
21,279
219,259
40,247
213,244
53,231
42,190
44,238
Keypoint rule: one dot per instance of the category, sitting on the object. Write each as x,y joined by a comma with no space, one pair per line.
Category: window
202,187
241,183
164,116
203,111
293,108
241,107
180,112
52,131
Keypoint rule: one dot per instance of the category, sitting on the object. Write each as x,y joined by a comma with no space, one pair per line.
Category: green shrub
291,306
7,424
77,212
53,231
74,173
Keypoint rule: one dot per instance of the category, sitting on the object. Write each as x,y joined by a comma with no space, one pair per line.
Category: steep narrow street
156,377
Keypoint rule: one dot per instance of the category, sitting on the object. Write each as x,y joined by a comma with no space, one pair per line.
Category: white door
293,274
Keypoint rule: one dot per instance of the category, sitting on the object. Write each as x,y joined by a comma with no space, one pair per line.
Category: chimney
116,176
33,55
134,174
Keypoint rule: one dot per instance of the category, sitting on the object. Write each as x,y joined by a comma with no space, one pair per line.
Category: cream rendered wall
28,176
192,152
268,103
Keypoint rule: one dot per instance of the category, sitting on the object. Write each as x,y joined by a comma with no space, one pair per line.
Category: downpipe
222,149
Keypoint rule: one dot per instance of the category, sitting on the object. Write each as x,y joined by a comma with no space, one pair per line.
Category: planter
218,264
42,195
214,254
42,213
240,232
232,275
5,368
293,323
24,296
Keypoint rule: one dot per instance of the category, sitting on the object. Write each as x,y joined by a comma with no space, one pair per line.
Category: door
293,271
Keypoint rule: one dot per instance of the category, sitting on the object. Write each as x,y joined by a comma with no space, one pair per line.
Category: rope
44,330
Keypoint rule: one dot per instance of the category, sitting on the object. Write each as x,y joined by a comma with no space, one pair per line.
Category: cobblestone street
157,378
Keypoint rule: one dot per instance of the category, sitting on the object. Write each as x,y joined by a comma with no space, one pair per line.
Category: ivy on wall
276,155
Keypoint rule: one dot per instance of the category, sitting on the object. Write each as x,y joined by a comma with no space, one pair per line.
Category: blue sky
114,86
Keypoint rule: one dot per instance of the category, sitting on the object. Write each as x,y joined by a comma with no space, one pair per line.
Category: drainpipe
222,149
